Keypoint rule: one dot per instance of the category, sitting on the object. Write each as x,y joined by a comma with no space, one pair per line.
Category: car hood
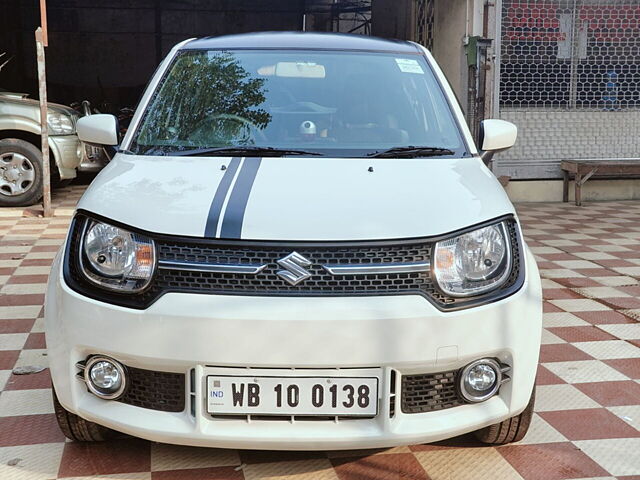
23,99
15,95
304,199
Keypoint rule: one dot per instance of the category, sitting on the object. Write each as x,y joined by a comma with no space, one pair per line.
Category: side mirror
495,136
100,129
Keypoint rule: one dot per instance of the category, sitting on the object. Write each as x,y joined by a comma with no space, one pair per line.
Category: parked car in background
21,171
296,246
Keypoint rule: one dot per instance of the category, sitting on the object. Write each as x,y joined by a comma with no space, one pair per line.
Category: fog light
480,380
105,377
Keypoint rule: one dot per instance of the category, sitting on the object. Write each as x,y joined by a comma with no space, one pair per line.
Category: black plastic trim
300,40
138,300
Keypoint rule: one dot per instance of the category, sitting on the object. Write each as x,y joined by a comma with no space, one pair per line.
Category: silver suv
20,154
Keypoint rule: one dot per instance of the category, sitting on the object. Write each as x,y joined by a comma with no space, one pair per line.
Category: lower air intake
428,392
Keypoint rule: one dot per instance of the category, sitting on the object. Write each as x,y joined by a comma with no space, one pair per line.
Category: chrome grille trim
354,269
378,269
210,267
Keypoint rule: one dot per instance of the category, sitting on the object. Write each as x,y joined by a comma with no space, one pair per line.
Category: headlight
60,124
474,262
115,258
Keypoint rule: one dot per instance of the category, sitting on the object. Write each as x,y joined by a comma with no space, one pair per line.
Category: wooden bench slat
585,169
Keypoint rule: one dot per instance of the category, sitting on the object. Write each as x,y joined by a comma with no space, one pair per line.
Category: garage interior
106,51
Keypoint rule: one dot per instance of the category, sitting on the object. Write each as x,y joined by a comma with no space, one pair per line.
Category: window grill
569,78
424,23
570,54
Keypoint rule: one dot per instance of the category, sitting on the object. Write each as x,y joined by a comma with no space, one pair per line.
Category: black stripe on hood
218,199
237,205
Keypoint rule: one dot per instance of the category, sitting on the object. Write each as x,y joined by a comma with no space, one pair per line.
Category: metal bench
583,170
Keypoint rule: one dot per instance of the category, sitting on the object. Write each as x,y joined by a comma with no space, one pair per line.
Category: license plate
344,396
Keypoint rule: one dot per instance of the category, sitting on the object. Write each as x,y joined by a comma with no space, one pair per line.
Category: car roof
302,40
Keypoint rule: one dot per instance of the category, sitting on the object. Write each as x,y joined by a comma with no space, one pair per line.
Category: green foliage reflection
208,99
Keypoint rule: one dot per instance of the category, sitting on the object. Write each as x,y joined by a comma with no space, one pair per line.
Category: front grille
428,392
163,391
268,283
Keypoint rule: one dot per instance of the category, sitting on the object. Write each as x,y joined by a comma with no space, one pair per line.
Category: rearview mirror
294,70
100,129
496,136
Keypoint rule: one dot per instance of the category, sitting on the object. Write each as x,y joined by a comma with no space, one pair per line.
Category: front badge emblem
294,268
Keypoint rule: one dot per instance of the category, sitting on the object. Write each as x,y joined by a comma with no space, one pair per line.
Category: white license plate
344,396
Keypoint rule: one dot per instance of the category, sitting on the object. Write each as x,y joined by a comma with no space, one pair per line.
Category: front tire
77,428
20,173
512,429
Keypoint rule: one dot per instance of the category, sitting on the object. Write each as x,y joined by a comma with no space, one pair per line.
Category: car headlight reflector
115,258
474,262
60,124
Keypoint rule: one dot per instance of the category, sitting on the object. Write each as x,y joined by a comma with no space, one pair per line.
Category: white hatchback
298,246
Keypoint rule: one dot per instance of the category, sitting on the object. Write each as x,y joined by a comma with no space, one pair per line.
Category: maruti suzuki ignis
298,246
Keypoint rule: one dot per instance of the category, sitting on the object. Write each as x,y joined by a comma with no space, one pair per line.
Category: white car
298,246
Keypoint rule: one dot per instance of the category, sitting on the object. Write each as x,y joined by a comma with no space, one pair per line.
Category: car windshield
342,104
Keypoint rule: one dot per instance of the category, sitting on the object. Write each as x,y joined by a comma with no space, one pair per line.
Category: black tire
511,430
77,428
34,193
57,183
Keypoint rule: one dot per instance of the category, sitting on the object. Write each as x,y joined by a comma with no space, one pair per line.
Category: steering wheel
206,128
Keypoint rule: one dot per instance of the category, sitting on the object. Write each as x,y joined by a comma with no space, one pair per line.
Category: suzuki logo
294,271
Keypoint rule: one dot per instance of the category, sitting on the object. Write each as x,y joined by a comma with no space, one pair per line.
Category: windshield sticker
408,65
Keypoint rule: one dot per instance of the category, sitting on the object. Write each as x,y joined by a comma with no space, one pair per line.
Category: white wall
593,190
545,137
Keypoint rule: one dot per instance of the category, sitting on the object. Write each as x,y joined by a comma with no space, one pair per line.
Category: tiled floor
587,423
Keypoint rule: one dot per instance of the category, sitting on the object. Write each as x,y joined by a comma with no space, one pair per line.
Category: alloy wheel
17,174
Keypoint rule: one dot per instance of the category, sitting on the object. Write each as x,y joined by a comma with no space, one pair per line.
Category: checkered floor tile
587,421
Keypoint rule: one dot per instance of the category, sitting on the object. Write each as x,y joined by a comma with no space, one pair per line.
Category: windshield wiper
241,151
411,152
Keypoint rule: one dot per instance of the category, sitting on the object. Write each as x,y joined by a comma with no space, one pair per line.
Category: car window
333,103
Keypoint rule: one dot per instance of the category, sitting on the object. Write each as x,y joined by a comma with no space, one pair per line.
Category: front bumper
185,332
67,151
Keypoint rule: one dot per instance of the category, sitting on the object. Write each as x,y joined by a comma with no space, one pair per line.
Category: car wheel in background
20,173
511,430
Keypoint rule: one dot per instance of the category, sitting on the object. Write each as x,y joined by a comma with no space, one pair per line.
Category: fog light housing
480,380
105,377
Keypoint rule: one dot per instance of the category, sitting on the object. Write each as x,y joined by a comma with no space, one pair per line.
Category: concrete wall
593,190
454,22
545,137
450,25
